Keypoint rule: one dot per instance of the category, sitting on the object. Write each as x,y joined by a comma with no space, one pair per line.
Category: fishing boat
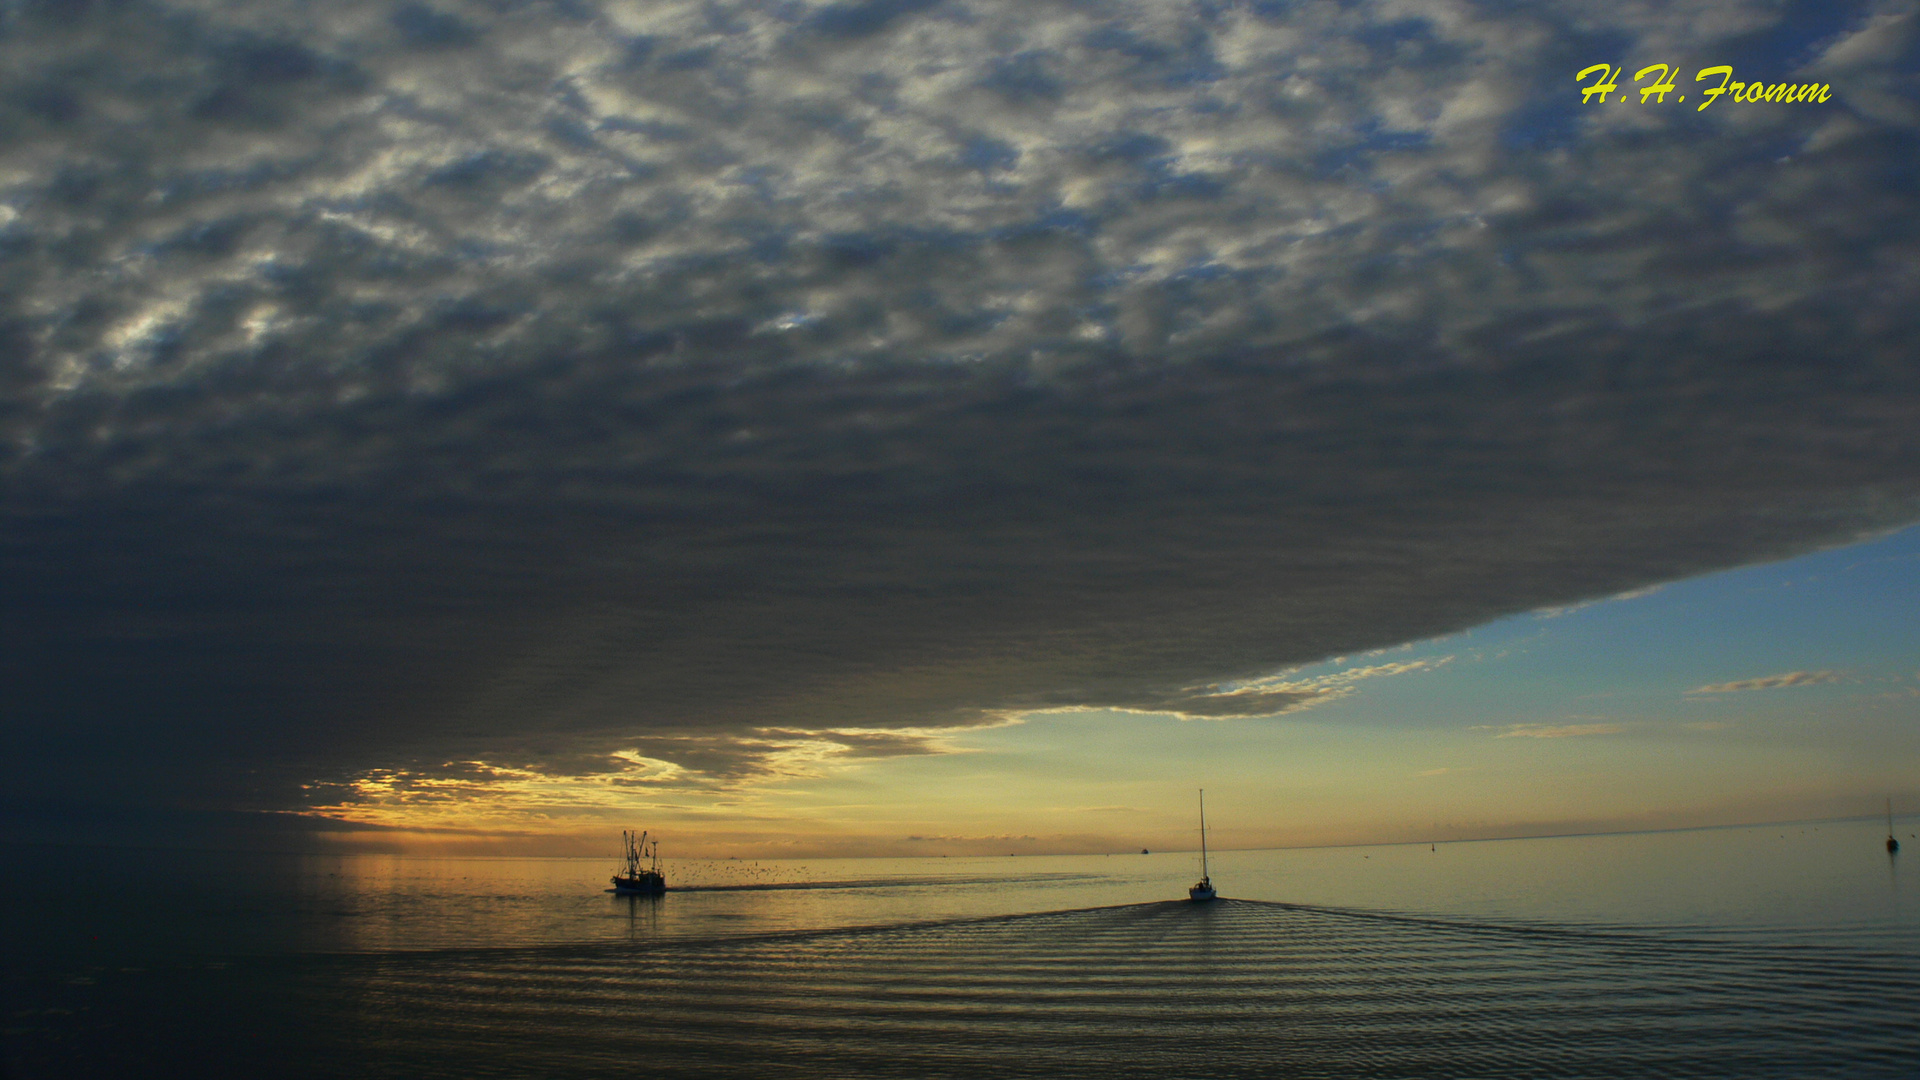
1202,889
1892,844
638,880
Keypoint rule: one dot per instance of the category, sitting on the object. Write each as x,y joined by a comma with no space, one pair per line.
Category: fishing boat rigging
638,879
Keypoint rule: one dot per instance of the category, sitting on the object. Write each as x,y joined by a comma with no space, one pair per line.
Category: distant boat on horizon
1202,889
637,880
1893,846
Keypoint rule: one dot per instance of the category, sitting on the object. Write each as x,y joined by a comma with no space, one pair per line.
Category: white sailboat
1202,889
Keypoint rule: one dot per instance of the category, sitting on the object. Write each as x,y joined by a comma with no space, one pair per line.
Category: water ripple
1230,989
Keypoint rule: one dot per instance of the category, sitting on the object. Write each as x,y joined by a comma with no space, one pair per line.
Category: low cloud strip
1769,682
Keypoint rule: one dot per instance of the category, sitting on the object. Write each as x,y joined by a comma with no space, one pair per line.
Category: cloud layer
398,384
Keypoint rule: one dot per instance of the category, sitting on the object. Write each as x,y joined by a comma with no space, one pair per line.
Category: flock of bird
732,874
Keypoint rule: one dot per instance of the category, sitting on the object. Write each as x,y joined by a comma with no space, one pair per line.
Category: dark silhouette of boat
638,880
1202,889
1892,844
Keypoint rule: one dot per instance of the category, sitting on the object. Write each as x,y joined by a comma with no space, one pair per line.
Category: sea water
1783,950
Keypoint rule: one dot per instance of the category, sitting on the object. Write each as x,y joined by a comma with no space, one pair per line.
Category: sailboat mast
1203,832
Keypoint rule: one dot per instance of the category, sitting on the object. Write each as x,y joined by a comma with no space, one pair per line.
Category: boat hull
1200,893
644,884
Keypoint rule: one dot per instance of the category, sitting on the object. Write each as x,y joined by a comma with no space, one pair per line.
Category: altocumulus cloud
387,385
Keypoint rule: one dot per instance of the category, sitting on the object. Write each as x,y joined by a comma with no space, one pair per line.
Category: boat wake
921,881
1145,990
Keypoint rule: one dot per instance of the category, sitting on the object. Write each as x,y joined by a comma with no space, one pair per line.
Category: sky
907,427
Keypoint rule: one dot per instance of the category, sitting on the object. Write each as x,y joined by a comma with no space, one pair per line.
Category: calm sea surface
1768,951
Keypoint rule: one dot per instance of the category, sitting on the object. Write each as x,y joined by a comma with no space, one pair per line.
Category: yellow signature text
1662,85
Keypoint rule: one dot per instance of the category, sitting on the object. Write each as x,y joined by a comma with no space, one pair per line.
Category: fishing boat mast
645,879
1204,876
636,843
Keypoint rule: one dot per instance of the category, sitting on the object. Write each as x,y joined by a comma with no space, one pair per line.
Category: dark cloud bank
385,384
